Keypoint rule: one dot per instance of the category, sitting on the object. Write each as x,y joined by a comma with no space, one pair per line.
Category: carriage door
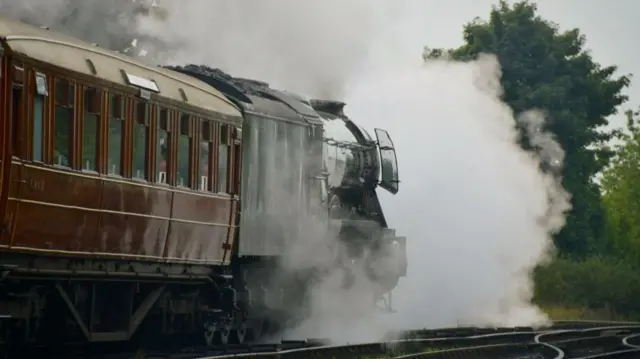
234,189
237,161
12,170
3,140
388,162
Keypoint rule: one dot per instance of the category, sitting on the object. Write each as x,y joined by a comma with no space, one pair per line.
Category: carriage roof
70,53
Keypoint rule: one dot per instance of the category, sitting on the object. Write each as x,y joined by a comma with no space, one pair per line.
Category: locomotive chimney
328,106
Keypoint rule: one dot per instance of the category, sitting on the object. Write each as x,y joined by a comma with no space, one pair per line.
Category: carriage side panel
94,182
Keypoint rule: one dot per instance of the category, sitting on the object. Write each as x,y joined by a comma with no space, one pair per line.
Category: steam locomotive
154,201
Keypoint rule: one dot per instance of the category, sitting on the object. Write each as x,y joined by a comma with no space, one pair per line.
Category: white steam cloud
111,24
477,210
310,47
475,207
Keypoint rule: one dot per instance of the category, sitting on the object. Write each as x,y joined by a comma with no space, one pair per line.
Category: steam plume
300,46
112,24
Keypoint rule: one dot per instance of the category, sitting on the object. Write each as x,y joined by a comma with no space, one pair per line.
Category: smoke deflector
388,162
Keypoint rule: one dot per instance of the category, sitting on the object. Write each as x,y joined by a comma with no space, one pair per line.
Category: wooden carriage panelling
112,157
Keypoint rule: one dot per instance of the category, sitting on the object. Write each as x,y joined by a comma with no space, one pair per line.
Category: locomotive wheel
223,334
209,335
239,334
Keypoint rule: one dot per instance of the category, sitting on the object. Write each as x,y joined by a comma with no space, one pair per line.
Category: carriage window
223,157
162,150
63,122
92,102
184,149
16,106
39,101
116,122
206,146
140,140
16,110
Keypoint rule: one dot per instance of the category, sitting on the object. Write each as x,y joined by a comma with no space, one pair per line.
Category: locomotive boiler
140,201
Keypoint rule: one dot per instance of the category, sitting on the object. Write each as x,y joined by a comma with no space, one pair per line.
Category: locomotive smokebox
387,262
357,164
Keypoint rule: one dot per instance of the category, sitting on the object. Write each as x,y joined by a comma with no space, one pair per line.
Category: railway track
564,340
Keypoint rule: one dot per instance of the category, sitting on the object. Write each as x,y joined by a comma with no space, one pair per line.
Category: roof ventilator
183,95
91,66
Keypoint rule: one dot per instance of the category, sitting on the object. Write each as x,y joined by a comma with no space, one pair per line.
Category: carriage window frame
144,122
185,131
119,118
17,70
96,110
206,140
164,124
224,142
68,102
236,141
40,92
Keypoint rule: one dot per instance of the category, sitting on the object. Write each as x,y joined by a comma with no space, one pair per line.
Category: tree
621,194
547,69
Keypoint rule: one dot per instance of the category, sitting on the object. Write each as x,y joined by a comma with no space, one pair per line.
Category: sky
610,27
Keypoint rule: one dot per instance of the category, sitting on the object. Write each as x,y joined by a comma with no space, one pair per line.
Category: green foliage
594,283
621,194
545,68
550,70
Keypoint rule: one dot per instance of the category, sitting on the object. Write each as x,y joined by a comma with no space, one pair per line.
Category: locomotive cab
356,164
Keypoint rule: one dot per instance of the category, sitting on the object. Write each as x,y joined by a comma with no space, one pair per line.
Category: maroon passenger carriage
121,187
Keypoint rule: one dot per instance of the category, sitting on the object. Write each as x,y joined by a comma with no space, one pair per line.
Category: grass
556,312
